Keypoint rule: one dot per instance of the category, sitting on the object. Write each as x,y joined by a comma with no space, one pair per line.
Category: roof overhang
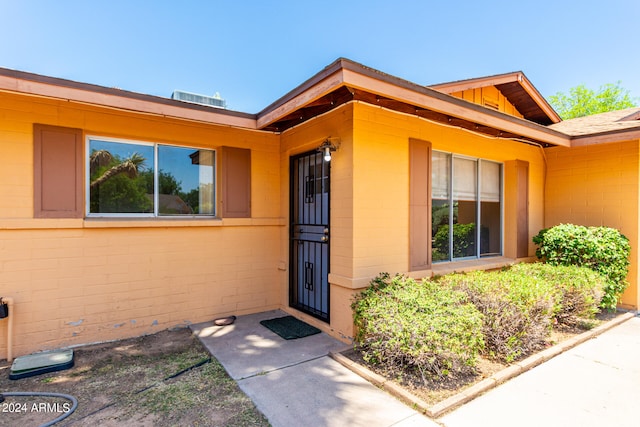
345,80
71,91
341,82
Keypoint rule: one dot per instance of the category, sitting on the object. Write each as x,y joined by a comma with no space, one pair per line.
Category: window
145,179
465,192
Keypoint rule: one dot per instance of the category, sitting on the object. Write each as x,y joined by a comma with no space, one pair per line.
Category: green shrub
517,310
577,290
601,249
417,326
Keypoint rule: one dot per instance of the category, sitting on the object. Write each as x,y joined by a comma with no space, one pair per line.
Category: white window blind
489,181
465,179
440,175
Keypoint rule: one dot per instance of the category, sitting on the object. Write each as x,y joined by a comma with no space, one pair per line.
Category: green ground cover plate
41,363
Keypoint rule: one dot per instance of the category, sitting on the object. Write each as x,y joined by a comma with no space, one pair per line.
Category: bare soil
435,390
127,383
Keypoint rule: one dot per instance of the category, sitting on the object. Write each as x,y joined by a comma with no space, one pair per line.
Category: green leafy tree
167,182
192,198
582,101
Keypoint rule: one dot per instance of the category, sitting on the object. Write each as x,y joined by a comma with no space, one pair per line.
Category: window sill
179,222
77,223
492,263
112,222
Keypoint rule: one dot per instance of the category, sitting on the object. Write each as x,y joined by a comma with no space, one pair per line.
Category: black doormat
289,327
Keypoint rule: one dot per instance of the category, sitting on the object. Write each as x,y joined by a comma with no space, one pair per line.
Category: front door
309,235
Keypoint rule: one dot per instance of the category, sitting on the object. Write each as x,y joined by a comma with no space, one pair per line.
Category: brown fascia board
539,99
606,137
344,72
317,86
466,84
69,90
498,79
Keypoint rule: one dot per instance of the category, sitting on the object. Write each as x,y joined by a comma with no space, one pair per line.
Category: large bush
417,326
577,290
517,310
601,249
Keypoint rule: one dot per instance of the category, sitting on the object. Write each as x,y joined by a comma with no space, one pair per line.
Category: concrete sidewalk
595,384
295,383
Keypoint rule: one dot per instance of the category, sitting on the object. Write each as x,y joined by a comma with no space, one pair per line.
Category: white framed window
144,179
465,192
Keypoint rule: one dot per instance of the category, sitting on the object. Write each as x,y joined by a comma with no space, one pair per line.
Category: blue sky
253,52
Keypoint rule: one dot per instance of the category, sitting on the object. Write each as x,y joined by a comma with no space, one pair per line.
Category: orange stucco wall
85,280
597,185
79,281
380,218
370,191
307,137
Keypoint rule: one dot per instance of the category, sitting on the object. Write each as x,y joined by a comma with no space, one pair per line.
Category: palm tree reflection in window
117,184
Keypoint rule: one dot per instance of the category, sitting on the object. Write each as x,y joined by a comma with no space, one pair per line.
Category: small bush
577,290
417,326
601,249
517,310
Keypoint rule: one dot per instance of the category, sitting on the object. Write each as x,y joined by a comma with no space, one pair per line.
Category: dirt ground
127,383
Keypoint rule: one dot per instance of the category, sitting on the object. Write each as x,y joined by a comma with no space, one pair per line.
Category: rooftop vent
211,101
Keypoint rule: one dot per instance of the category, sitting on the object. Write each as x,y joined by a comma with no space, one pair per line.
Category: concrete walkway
595,384
295,383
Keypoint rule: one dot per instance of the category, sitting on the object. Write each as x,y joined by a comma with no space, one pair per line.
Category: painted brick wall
381,213
78,281
85,285
597,185
307,137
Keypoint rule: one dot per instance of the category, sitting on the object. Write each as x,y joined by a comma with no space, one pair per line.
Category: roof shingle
600,123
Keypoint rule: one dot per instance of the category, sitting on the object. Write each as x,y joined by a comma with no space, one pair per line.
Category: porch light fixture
327,147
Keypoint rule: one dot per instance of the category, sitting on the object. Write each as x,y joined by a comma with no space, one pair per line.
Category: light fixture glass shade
327,154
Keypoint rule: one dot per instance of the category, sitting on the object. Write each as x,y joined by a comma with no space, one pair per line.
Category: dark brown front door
309,231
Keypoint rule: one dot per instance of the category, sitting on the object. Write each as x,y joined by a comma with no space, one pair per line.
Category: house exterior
123,214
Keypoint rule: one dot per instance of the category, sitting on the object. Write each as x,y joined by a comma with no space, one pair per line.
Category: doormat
289,327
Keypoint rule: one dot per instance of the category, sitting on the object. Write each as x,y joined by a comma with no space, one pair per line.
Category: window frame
156,195
478,209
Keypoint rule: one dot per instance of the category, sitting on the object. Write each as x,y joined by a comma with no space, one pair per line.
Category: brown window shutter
419,205
522,169
516,210
236,182
57,172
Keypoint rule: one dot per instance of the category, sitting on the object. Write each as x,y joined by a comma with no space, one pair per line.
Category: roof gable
516,88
